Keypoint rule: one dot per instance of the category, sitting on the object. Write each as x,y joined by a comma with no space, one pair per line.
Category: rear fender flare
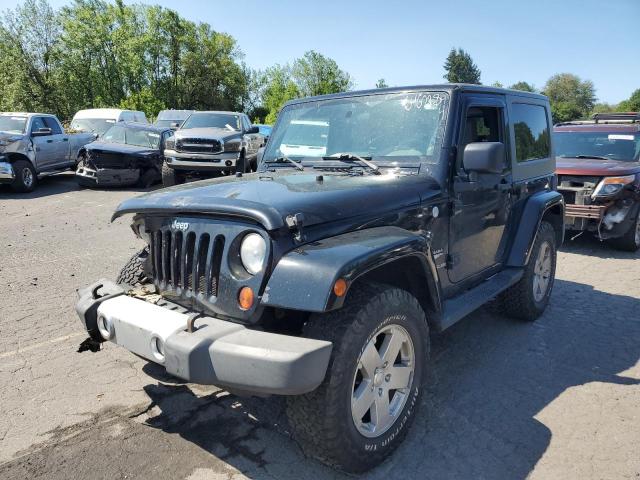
304,278
548,206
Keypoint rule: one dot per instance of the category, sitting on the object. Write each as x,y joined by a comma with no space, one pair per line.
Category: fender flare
304,278
536,208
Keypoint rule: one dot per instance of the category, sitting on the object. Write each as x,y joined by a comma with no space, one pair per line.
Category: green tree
315,74
381,83
523,86
632,104
497,84
603,108
459,68
570,97
280,88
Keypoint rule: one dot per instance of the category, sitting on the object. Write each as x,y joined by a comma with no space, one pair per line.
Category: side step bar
456,308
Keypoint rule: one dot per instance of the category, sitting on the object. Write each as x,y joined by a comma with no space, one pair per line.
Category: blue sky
406,42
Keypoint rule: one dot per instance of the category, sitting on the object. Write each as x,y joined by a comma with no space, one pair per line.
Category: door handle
49,141
65,139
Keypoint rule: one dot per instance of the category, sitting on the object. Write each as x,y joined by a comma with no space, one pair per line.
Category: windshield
95,125
388,128
167,123
609,145
12,124
132,136
212,120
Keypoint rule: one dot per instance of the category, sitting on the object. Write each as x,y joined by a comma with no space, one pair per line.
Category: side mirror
175,125
484,157
41,132
253,130
259,155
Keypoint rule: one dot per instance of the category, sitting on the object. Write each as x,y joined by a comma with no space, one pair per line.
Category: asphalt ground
556,399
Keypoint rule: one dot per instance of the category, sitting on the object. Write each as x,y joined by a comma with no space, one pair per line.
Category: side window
53,125
482,124
531,132
246,125
37,123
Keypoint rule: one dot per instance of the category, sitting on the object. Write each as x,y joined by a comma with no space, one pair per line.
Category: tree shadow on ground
490,377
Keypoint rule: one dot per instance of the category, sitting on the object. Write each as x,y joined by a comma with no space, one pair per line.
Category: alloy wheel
382,380
542,272
27,177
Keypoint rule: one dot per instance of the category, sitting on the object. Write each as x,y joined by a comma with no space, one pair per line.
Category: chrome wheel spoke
362,400
370,360
400,377
380,414
391,347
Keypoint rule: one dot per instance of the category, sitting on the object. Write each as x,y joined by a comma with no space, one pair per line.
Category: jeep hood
595,167
269,199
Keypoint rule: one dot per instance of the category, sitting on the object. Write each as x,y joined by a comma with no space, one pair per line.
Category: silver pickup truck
35,144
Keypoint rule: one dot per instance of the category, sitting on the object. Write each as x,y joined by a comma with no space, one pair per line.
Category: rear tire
527,299
170,177
133,272
630,241
359,414
26,178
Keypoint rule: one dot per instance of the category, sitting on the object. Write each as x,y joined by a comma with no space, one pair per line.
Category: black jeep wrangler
320,276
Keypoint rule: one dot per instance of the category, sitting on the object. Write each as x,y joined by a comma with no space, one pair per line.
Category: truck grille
187,263
199,145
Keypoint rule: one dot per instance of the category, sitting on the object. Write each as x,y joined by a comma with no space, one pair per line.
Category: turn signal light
340,287
245,298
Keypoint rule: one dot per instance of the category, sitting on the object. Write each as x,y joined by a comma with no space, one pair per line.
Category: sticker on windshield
110,121
18,118
421,100
616,136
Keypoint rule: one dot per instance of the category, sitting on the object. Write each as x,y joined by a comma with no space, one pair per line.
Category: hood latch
295,224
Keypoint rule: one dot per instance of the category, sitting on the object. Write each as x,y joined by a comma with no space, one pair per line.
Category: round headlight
252,252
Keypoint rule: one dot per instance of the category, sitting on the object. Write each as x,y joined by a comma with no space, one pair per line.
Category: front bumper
108,177
201,162
218,352
6,171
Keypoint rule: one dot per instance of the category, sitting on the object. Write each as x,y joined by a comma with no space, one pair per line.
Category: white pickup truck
35,144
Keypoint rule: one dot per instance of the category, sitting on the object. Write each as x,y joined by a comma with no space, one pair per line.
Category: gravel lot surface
558,399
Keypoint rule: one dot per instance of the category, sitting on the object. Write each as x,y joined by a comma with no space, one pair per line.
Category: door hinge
453,259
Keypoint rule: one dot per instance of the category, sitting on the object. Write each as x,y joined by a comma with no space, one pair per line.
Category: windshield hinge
453,259
295,224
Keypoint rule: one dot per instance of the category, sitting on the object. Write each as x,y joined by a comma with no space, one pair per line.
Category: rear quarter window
531,131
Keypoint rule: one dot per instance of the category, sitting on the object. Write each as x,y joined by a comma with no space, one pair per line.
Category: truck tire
527,299
330,423
630,241
26,178
133,272
147,177
170,177
243,165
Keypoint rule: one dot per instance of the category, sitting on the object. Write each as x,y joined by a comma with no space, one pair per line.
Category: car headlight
170,143
232,145
611,185
252,252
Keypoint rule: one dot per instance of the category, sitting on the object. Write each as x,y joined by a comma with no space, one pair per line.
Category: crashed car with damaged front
598,167
127,154
320,276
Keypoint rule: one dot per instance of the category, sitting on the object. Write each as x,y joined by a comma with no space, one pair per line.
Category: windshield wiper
284,159
350,157
598,157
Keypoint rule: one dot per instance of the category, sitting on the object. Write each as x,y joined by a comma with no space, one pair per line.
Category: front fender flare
304,278
534,210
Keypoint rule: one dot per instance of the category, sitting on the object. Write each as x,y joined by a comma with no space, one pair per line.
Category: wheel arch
15,156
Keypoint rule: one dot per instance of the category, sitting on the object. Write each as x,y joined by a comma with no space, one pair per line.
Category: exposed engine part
615,215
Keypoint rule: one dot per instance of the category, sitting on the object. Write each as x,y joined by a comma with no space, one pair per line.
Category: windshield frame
396,161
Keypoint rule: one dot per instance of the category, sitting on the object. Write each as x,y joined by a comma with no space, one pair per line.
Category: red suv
598,167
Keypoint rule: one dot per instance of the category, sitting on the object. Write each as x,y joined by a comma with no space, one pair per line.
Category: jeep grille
187,263
198,145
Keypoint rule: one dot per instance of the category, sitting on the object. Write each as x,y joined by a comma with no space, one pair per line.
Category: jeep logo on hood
178,225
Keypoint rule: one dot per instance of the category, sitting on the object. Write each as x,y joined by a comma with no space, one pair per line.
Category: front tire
26,178
527,299
370,395
133,273
630,241
170,177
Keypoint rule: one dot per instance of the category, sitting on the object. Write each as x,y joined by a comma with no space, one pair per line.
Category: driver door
482,201
43,146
